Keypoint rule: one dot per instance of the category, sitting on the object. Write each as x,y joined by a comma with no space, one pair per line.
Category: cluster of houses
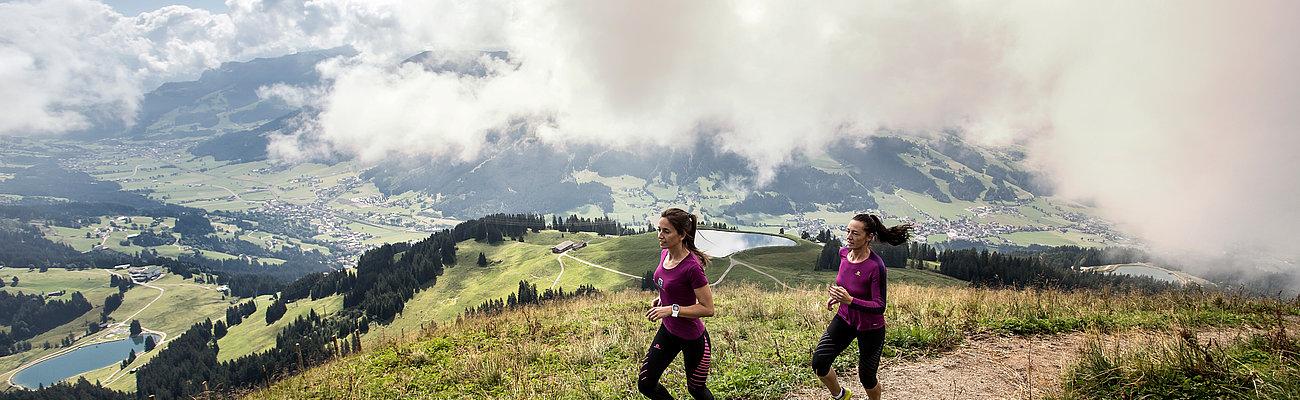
331,192
334,222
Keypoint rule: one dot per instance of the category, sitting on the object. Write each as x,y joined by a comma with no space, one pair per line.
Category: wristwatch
676,309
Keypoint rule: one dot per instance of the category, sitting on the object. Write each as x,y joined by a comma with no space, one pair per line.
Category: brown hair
895,235
685,223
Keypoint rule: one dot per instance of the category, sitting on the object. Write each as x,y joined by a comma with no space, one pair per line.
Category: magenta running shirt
677,286
865,281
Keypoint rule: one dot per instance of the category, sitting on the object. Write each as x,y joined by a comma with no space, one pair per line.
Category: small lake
1142,270
79,361
726,243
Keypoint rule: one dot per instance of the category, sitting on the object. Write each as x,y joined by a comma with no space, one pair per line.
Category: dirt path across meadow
998,367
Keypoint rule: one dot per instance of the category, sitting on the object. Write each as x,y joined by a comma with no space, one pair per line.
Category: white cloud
61,64
770,80
1176,119
71,64
1180,122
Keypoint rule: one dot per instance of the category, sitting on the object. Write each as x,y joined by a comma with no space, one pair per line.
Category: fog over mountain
1175,120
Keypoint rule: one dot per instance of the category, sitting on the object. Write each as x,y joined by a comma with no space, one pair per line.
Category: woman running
681,283
859,289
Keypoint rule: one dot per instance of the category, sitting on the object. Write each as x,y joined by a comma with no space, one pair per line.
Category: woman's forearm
695,311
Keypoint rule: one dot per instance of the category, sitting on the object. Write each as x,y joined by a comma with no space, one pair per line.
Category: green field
634,254
76,238
179,304
382,235
269,241
92,283
214,185
205,183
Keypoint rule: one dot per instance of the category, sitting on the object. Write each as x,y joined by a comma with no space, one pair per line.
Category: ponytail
687,225
895,235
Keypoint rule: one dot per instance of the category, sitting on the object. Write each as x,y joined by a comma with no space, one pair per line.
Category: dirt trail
996,367
733,262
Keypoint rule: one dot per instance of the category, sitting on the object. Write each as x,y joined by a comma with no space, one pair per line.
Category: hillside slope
619,262
590,347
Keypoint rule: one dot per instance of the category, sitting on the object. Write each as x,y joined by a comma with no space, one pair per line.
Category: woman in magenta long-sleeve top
860,290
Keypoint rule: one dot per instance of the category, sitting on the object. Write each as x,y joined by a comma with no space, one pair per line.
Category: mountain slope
225,99
590,347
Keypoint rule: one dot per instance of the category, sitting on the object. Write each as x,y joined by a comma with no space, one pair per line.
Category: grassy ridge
633,254
591,347
466,284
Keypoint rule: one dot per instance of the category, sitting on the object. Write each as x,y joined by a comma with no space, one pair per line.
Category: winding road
731,263
559,259
752,267
597,266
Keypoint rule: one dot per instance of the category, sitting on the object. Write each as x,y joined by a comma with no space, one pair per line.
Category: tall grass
1261,366
591,347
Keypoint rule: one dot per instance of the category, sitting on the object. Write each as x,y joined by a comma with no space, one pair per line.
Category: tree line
80,390
993,269
28,315
234,316
22,245
526,294
1055,267
188,367
598,225
901,256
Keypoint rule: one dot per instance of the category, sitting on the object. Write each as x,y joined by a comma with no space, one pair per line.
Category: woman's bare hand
840,294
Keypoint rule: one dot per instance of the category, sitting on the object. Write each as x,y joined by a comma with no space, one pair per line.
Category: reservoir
1143,270
725,243
81,360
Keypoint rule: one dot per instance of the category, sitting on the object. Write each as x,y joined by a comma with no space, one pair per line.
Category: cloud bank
1177,120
